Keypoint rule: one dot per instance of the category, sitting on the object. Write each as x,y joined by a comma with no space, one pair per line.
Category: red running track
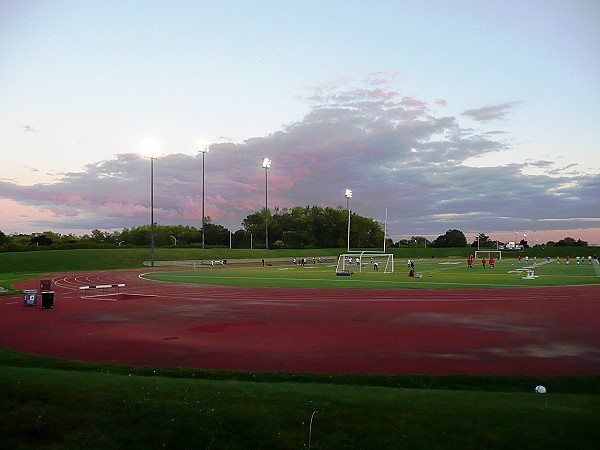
530,331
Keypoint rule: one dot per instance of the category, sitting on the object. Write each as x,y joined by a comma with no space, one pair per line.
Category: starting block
530,275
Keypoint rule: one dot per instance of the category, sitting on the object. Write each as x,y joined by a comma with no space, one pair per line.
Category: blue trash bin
30,297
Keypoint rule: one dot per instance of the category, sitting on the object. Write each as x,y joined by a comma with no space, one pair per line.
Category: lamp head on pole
202,146
266,163
348,193
149,148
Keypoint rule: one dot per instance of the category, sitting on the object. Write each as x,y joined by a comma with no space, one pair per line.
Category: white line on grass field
353,281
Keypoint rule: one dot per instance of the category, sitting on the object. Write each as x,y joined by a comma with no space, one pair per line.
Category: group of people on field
302,261
492,262
580,259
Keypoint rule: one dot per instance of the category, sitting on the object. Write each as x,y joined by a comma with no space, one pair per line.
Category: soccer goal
480,254
373,262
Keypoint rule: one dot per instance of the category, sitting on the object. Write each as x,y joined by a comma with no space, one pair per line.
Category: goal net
480,254
367,261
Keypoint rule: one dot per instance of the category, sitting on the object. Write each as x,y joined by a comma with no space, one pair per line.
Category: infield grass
436,273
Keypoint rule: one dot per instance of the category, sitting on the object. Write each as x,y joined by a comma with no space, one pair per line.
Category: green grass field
436,273
55,404
21,265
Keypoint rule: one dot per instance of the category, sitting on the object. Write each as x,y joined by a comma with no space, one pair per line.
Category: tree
314,226
329,226
215,234
40,239
570,242
389,243
254,224
4,239
240,239
98,236
404,243
365,232
139,235
484,241
452,238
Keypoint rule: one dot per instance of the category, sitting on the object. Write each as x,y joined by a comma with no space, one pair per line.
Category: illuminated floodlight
149,148
348,195
203,147
266,163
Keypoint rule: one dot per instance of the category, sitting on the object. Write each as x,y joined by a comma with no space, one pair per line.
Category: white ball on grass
540,389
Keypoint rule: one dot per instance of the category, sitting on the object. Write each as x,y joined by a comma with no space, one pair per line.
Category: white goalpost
480,254
371,261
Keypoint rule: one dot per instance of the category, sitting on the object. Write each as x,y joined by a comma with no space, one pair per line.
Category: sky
482,116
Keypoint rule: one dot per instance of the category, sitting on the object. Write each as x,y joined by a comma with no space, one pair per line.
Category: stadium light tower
204,150
266,163
151,149
348,195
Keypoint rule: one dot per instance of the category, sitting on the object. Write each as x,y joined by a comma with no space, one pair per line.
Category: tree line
296,227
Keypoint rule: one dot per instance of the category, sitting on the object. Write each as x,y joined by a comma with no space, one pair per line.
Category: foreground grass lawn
52,404
437,273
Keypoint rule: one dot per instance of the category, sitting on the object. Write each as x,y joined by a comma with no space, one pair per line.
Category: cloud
389,148
492,112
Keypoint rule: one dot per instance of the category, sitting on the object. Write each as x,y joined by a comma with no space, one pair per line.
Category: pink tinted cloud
299,172
64,210
21,218
414,102
364,143
117,209
71,199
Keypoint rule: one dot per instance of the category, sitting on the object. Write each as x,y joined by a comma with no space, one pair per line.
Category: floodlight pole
266,164
348,195
203,151
384,230
151,149
152,208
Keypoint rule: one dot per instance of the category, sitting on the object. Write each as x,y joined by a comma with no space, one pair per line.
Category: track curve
532,331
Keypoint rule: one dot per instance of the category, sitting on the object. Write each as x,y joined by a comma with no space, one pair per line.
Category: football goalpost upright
375,261
480,254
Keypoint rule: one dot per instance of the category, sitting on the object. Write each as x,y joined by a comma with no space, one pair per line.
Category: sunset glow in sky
478,115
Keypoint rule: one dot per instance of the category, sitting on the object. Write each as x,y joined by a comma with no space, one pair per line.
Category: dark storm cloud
390,149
